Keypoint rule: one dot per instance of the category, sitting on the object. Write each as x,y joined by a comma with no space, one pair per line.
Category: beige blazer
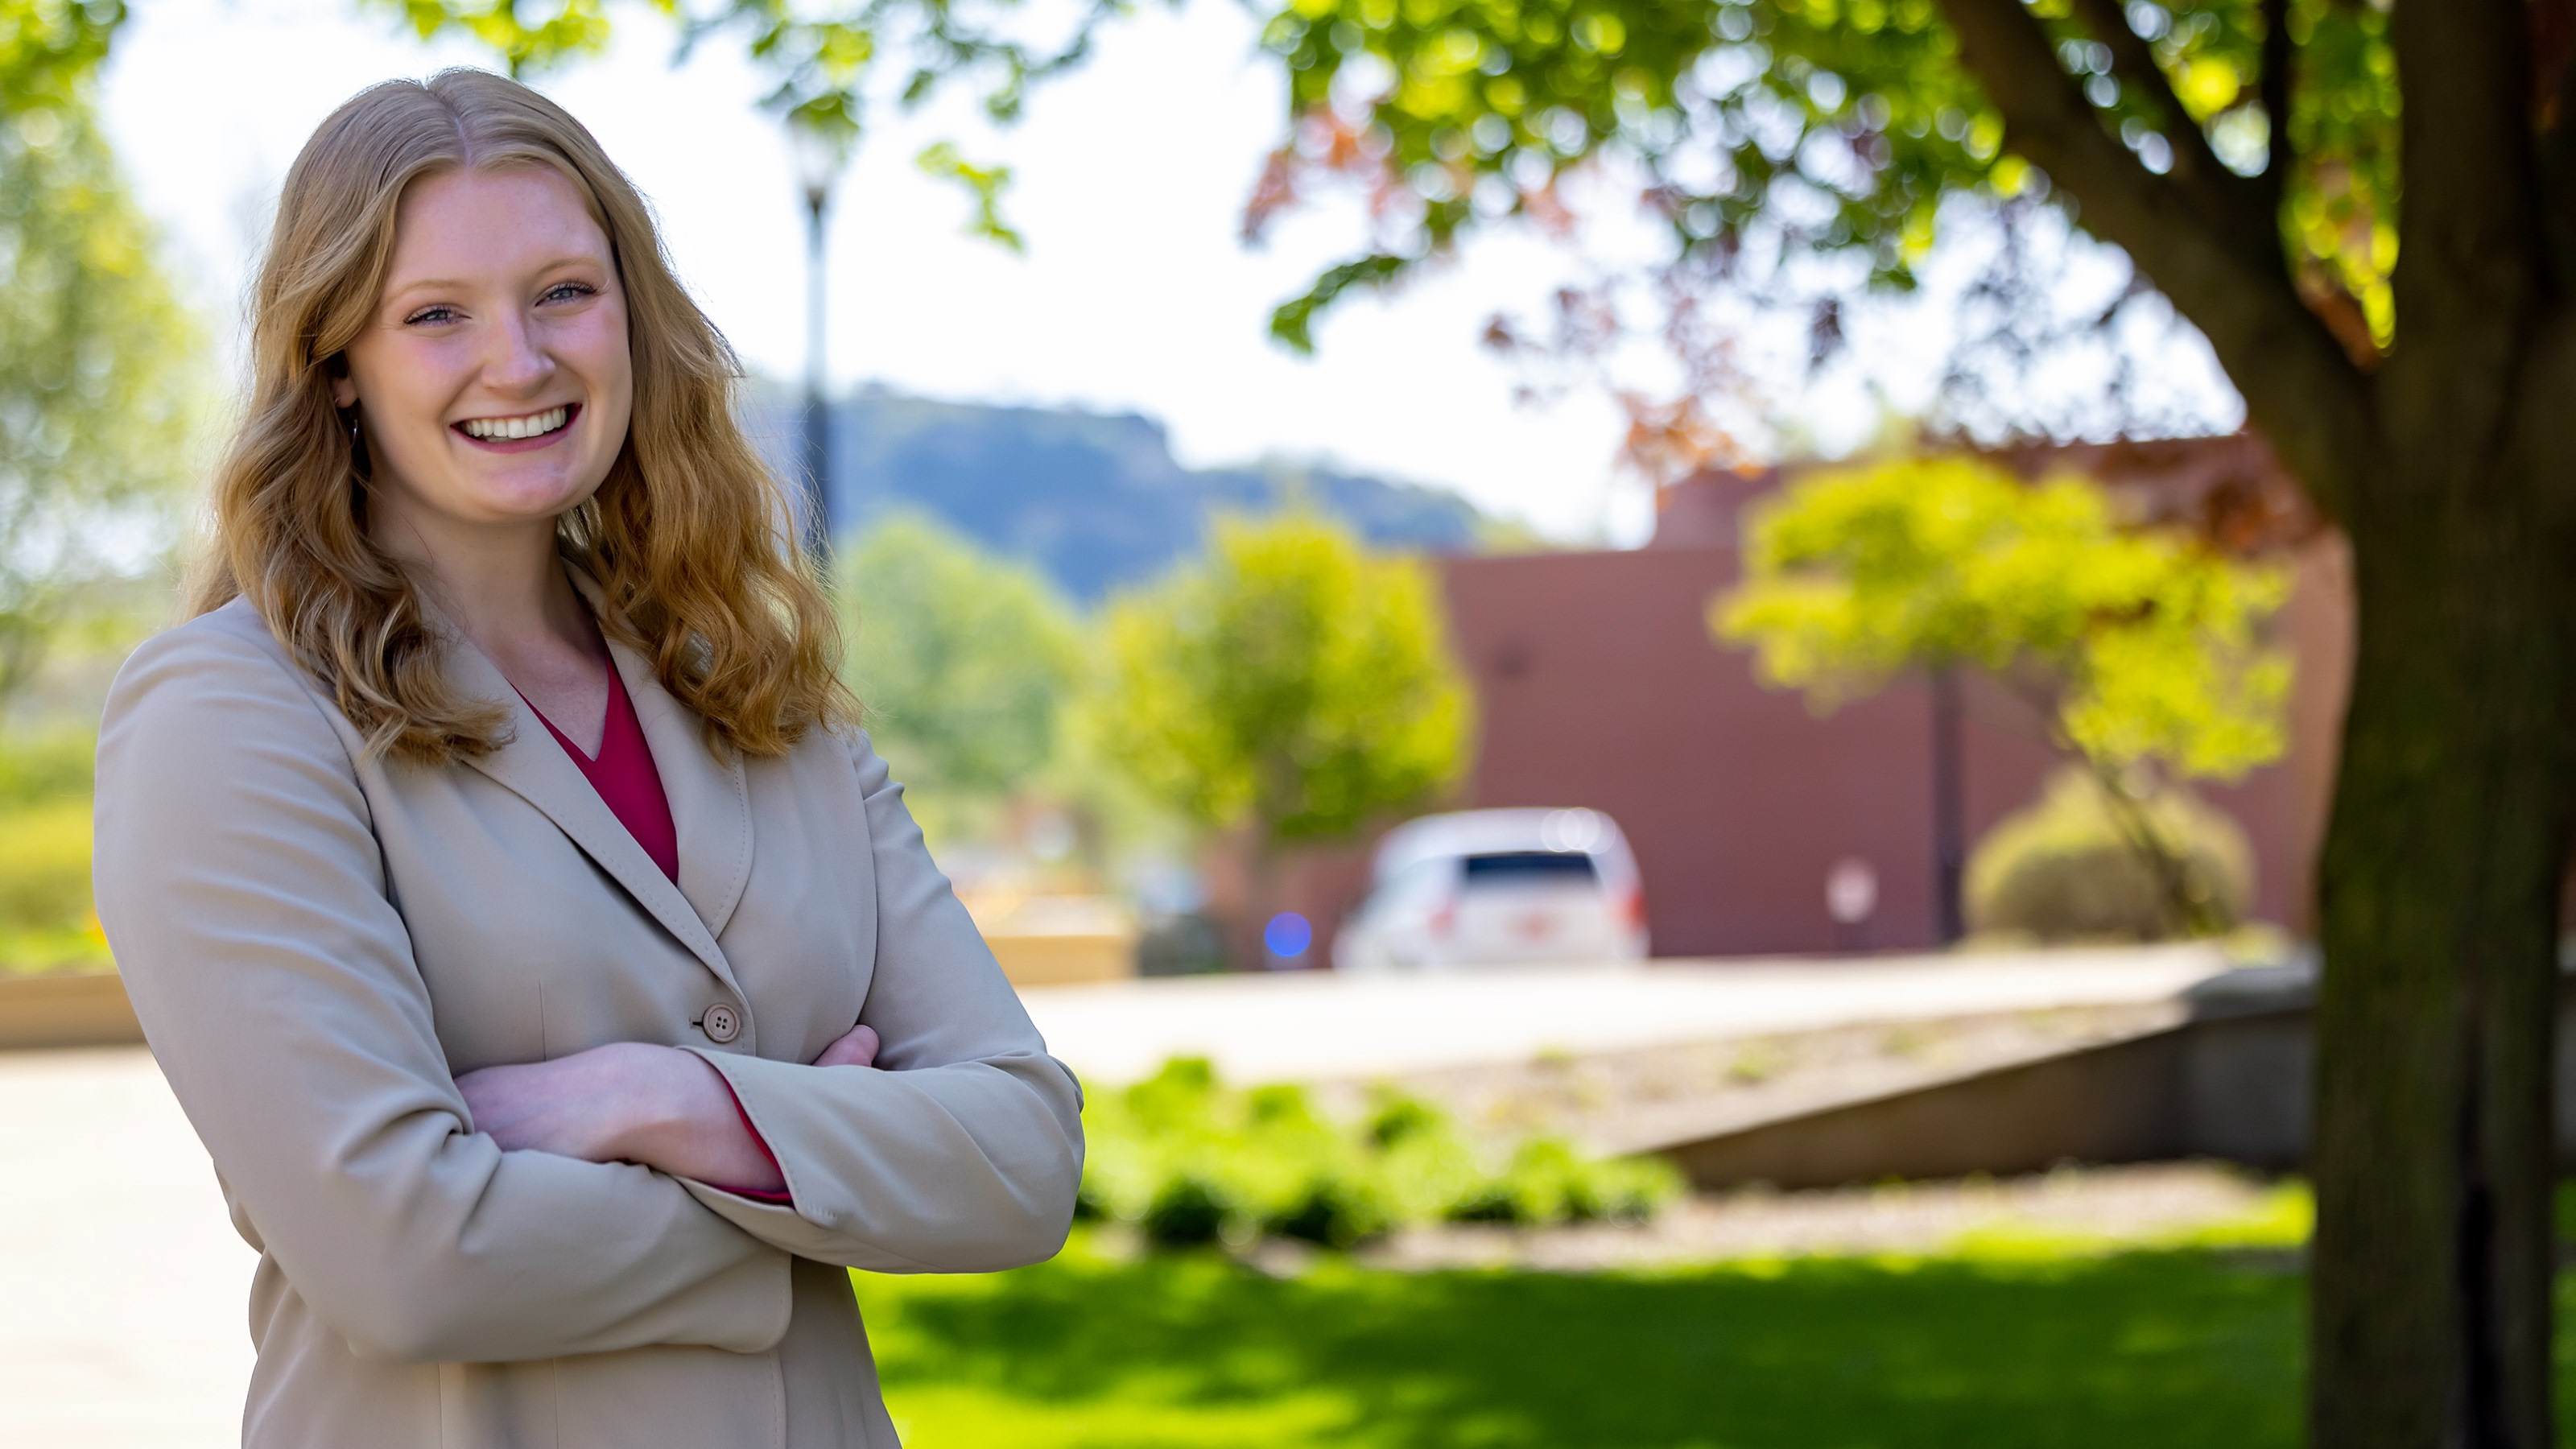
318,944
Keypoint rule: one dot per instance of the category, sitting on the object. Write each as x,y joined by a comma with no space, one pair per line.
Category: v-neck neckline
607,717
601,655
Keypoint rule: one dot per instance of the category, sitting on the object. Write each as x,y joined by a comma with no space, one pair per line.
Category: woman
548,963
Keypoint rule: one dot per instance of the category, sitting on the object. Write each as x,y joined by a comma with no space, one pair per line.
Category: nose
516,361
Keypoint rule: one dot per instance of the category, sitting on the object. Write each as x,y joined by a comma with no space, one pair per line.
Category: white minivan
1496,887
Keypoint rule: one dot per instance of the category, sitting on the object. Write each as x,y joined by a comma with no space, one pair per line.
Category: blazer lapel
535,768
710,799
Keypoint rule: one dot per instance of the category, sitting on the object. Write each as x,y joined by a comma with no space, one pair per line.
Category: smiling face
493,380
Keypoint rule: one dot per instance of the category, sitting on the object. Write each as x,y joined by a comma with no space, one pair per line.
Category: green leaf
1292,322
984,183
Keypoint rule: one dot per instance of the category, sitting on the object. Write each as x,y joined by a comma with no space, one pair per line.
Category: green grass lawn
1993,1346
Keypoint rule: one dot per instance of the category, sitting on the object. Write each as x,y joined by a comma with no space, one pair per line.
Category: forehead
463,224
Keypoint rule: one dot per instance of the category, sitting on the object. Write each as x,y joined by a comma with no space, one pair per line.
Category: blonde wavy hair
686,536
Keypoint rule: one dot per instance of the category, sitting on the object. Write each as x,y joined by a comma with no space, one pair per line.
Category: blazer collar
710,804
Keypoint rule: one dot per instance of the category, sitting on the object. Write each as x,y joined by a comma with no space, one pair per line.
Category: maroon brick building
1599,684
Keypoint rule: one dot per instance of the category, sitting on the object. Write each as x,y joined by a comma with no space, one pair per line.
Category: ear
344,390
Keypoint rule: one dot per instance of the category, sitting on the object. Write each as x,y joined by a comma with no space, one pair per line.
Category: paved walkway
122,1284
1314,1025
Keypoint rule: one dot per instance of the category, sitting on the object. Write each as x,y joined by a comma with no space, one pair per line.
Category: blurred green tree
2142,650
100,365
2412,362
1290,685
964,659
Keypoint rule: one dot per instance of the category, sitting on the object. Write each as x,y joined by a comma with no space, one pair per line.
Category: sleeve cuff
778,1196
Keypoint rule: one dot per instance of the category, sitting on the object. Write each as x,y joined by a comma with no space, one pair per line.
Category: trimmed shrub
1192,1162
1335,1213
1185,1213
1548,1181
2062,870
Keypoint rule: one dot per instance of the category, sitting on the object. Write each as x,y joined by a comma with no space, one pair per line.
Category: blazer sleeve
961,1149
242,889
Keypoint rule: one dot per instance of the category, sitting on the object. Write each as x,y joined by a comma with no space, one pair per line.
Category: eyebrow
447,283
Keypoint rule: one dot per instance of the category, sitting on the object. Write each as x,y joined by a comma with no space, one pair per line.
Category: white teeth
500,430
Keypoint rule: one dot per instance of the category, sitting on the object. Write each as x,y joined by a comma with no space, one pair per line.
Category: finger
862,1042
857,1047
846,1054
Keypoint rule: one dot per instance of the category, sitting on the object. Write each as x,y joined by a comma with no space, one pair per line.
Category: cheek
606,363
401,383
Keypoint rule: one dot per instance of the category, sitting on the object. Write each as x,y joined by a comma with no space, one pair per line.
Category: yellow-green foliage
44,866
49,48
2150,643
45,918
37,768
1291,681
1192,1161
2061,870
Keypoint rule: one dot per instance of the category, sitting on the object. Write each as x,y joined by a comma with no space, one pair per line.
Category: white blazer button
720,1024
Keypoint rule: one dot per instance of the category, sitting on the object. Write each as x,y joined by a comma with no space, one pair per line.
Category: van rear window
1530,867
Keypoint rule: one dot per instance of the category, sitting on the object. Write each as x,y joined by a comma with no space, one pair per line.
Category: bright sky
1135,294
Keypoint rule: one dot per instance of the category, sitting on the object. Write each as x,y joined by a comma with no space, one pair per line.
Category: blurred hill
1097,500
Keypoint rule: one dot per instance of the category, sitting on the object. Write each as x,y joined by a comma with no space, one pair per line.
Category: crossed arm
656,1106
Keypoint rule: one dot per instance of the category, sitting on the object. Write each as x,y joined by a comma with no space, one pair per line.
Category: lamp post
1949,809
819,158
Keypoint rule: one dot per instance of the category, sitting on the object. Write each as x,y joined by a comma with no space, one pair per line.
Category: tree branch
2557,168
2279,85
2302,392
2195,165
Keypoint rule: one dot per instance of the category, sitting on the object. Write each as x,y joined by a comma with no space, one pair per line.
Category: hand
626,1102
856,1047
576,1106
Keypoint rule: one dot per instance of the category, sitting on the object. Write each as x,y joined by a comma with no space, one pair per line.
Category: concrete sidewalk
1307,1026
123,1289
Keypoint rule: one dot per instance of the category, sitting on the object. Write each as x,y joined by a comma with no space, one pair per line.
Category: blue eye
568,289
430,314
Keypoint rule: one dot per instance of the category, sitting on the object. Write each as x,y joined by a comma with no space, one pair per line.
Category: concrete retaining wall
2231,1083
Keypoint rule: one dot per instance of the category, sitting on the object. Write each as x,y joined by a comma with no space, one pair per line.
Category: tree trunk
2439,894
2190,902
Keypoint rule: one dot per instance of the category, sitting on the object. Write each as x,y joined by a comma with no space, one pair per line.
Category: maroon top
624,776
631,787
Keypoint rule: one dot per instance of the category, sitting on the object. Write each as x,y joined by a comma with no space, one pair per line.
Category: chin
532,494
511,505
